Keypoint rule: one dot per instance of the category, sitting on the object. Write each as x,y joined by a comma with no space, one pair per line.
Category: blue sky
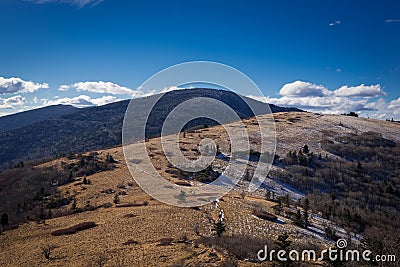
325,56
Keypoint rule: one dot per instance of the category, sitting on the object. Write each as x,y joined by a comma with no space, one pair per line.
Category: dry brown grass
118,229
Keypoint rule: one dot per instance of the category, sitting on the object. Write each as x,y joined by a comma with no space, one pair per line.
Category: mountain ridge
100,127
29,117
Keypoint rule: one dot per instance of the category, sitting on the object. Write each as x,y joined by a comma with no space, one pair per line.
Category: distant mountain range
59,129
29,117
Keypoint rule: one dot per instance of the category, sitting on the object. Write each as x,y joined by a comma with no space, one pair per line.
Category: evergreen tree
109,158
268,195
73,207
306,150
284,244
359,166
306,219
182,196
219,225
116,199
287,200
306,208
4,219
42,216
219,228
298,219
278,207
218,151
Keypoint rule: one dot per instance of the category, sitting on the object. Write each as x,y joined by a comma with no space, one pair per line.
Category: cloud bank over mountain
318,98
17,85
367,100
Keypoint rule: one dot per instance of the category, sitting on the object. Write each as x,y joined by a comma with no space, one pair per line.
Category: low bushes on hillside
166,241
265,215
73,229
242,247
134,204
130,242
358,188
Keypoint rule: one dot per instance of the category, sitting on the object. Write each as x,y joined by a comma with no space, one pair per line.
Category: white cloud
78,3
17,85
303,89
104,100
115,89
4,114
99,87
384,109
360,91
171,88
317,98
327,104
335,23
12,102
81,101
394,105
379,104
392,20
64,87
140,93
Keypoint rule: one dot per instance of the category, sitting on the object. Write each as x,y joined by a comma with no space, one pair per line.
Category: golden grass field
145,225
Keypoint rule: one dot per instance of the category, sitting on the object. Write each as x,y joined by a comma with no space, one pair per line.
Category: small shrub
331,233
182,239
265,215
116,199
129,215
130,242
219,228
73,207
101,260
241,246
122,193
107,205
196,228
121,186
166,241
73,229
46,251
108,191
183,183
134,204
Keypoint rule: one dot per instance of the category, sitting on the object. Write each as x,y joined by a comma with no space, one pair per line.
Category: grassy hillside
107,220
